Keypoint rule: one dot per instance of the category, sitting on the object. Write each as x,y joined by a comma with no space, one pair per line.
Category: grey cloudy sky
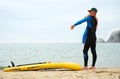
50,20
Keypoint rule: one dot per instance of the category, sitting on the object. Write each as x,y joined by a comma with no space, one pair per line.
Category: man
89,37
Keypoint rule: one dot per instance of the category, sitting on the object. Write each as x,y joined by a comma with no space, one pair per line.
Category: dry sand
83,74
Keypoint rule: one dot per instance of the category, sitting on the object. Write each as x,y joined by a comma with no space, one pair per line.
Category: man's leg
93,50
85,53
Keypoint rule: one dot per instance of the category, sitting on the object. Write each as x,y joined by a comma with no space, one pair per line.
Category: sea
108,54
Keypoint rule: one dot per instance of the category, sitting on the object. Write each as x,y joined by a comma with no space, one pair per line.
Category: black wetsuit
90,42
89,38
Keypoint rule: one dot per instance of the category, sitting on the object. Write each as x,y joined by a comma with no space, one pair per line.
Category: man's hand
72,27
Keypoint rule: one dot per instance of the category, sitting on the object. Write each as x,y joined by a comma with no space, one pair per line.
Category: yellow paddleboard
47,65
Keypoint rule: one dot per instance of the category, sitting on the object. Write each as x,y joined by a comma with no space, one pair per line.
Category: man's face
93,13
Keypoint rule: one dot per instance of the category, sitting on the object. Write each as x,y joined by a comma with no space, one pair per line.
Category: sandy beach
83,74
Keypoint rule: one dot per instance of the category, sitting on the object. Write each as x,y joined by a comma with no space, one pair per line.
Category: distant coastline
113,38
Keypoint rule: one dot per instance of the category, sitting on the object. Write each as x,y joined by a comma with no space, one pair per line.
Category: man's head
93,11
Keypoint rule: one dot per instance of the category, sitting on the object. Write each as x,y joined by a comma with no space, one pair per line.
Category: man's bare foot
93,67
85,68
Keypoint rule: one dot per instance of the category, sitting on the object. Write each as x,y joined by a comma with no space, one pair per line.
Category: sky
50,20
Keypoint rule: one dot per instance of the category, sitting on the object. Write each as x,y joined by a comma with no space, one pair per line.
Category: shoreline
100,73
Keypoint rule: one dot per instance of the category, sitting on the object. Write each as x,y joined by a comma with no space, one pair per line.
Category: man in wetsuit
89,37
